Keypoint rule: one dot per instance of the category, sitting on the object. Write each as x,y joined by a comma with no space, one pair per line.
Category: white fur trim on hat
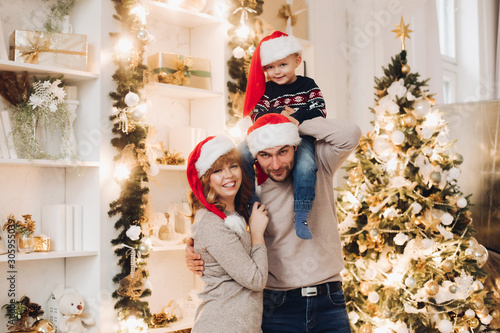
211,151
278,48
236,223
272,135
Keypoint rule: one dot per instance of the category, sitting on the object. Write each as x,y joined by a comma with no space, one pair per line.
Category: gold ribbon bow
180,75
37,43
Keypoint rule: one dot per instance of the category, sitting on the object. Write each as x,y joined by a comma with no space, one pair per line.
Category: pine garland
133,196
238,67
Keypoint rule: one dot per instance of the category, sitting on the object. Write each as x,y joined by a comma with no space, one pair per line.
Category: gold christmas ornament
473,322
405,69
432,288
355,175
453,288
366,328
478,302
409,120
495,313
44,325
374,234
365,288
448,266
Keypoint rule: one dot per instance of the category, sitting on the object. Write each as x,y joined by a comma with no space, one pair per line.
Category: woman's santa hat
271,48
271,130
200,161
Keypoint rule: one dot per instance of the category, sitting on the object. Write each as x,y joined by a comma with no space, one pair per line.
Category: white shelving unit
27,185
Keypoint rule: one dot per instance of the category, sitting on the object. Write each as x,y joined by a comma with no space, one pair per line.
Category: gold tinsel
169,158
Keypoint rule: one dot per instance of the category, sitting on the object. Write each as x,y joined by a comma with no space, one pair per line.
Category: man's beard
285,174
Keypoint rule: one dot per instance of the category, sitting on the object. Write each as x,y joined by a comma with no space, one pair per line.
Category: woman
235,260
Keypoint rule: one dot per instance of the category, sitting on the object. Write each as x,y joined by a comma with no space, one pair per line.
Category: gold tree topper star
402,31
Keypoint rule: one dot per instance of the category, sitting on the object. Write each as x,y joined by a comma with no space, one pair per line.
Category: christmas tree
412,263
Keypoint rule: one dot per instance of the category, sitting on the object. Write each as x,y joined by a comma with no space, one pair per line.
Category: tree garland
244,36
130,134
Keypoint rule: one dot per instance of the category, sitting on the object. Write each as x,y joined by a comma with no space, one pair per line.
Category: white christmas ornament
453,173
373,297
382,146
462,203
486,320
397,89
445,326
131,99
238,52
353,317
422,107
416,208
447,219
133,232
400,238
397,137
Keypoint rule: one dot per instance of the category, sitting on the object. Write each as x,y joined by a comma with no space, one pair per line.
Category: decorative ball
132,99
374,234
470,313
472,242
481,255
410,282
143,34
495,313
355,174
382,146
44,325
366,328
435,177
409,120
478,302
411,151
368,154
373,297
422,107
143,248
459,159
432,288
453,289
405,69
447,219
392,257
238,52
387,313
469,252
137,115
473,322
448,265
462,203
445,326
365,288
397,137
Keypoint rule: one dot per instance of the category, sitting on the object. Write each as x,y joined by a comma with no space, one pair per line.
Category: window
447,37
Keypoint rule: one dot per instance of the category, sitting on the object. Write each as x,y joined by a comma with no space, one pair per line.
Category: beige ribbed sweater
235,275
295,262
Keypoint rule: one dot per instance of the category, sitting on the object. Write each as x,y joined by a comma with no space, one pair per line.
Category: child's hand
287,112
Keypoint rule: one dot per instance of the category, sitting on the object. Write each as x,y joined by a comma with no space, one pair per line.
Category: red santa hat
200,161
276,46
271,130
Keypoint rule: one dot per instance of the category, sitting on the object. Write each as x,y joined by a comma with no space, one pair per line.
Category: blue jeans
285,313
304,173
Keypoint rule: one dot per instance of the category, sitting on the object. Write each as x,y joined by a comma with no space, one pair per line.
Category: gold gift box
42,244
272,15
181,70
51,49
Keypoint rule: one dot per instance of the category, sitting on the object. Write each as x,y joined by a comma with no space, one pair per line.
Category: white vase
68,146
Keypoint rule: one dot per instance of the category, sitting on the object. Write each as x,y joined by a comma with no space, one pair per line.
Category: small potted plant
24,232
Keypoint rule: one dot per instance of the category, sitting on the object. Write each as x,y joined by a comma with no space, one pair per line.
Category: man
304,288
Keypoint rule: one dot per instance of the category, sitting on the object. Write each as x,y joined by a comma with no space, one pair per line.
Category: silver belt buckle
309,291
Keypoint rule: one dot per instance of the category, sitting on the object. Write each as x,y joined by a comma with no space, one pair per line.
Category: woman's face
226,182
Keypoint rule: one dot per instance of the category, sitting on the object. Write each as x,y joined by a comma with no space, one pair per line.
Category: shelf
47,163
173,167
70,75
177,326
160,11
49,255
170,90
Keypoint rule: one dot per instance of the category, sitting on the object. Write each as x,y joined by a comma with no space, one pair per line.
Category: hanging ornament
132,99
453,288
495,314
409,120
374,233
447,218
397,137
435,177
410,282
238,52
473,322
480,255
143,34
445,326
422,107
459,159
386,313
478,302
382,146
462,203
137,115
392,257
432,288
405,69
448,266
143,248
366,328
43,326
355,174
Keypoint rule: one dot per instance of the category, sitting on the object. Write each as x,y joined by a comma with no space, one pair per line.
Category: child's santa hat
200,161
271,48
271,130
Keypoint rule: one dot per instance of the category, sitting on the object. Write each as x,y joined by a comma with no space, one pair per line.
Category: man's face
277,162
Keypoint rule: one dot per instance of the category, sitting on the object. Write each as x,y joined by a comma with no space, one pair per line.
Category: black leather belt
320,289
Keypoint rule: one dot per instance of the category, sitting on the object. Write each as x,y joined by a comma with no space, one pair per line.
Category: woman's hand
193,260
258,222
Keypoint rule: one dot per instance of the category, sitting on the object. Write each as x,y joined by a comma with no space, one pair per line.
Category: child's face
283,71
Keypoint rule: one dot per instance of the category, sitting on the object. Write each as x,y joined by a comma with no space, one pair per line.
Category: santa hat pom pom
236,223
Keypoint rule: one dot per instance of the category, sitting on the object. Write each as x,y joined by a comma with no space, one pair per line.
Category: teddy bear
71,306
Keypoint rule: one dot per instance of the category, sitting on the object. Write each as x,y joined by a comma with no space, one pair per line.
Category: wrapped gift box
273,14
181,70
51,49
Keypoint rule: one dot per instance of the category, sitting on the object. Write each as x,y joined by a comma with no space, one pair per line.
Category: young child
297,97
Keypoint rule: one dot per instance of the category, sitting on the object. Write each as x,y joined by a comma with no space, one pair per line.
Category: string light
124,46
121,172
140,12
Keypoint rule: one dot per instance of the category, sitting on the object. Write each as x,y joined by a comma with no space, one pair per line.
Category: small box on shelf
181,70
52,49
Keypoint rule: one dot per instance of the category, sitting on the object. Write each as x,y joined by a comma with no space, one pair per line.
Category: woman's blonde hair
241,199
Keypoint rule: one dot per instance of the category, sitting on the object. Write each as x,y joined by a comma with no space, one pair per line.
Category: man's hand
193,260
287,112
